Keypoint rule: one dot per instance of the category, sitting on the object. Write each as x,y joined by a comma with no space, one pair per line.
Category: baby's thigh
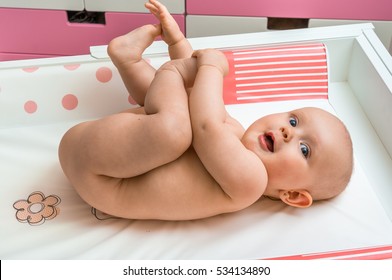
130,198
100,192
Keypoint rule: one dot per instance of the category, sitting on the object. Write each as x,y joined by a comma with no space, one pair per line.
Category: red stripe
286,85
309,46
293,61
378,256
261,79
255,60
281,98
282,52
349,253
281,65
249,91
229,94
287,93
283,72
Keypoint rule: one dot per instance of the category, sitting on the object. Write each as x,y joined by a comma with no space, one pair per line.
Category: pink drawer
48,32
74,5
333,9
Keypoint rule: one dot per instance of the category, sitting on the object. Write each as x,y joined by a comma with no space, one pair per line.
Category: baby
180,156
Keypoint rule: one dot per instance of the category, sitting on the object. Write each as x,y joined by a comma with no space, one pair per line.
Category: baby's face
298,148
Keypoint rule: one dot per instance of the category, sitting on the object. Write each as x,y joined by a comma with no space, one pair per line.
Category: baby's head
307,153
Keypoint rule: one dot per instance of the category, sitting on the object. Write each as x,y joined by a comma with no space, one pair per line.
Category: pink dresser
34,29
240,16
333,9
28,30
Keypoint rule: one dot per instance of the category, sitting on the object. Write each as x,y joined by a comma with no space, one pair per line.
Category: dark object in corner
86,17
287,23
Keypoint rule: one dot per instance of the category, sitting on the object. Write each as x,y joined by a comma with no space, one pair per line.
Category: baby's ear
296,198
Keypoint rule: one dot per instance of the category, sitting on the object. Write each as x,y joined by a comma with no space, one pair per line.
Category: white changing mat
36,113
29,164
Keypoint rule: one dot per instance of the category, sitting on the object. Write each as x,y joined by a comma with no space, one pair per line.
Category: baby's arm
239,172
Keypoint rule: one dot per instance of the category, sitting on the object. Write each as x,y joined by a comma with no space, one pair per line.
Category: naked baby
181,156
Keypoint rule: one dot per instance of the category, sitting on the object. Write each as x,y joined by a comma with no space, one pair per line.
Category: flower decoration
37,208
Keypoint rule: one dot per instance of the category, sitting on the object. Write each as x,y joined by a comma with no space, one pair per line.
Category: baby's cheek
288,166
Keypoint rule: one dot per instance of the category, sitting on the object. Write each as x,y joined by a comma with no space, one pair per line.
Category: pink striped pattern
286,72
371,253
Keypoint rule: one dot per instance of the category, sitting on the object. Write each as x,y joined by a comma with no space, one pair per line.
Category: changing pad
42,217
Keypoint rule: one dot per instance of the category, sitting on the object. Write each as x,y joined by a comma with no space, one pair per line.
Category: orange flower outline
37,208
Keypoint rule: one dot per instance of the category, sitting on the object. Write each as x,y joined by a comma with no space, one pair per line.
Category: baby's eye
293,122
305,150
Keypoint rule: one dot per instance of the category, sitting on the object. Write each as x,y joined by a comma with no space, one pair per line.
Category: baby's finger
157,4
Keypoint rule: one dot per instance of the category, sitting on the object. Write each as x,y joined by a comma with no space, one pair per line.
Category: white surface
174,6
383,29
28,148
202,26
267,229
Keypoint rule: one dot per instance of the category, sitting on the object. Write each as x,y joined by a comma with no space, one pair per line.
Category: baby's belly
184,189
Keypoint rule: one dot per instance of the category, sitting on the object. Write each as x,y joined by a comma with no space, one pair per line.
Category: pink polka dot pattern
104,74
30,69
71,67
70,102
30,107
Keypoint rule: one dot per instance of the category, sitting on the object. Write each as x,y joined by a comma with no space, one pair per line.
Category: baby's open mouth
269,141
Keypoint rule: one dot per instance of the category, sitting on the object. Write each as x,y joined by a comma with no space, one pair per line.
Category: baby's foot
171,32
130,47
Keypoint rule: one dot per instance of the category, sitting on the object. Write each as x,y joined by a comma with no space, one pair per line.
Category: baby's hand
211,57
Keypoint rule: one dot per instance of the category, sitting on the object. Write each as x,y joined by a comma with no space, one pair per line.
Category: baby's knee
168,66
186,68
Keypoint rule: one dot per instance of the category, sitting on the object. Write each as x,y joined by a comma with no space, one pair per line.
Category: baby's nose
287,133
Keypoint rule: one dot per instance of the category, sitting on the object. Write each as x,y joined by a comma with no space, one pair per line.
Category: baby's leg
97,156
179,46
126,54
126,51
131,143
